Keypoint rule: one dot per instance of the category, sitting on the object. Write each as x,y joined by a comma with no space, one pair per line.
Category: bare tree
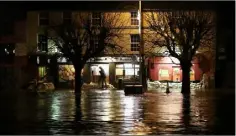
182,33
83,39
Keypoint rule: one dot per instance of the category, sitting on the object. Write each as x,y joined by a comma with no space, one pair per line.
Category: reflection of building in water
62,109
171,114
102,107
133,116
164,110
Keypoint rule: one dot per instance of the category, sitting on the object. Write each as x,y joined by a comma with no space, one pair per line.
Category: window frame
98,19
67,19
134,18
134,42
45,19
40,44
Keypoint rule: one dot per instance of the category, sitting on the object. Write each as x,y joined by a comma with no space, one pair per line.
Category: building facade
117,66
13,51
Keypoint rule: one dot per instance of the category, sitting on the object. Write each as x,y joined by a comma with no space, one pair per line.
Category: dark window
96,18
95,42
42,43
134,18
43,18
67,17
134,42
7,53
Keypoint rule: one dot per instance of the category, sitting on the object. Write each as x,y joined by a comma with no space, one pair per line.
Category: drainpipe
142,70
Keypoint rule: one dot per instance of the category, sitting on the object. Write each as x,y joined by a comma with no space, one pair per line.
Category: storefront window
164,74
127,70
66,73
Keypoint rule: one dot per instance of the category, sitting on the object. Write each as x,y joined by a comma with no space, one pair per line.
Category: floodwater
111,112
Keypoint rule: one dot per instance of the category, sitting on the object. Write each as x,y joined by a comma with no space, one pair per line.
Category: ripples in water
111,112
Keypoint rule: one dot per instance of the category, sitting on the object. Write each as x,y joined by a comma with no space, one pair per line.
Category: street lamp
141,51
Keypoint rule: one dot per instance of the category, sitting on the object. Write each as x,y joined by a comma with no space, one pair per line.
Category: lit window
67,17
192,77
96,18
42,72
43,18
42,43
134,18
164,74
134,42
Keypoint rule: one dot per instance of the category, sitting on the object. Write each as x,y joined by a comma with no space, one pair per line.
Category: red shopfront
162,68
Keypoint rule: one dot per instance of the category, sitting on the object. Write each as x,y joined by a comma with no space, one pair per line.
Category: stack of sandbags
45,87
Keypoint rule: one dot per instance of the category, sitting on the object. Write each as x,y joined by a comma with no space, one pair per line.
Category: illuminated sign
113,59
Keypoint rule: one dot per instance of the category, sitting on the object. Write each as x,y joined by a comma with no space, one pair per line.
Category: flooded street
111,112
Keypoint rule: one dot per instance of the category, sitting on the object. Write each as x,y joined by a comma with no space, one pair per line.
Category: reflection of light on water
55,112
98,108
62,108
170,110
106,106
129,106
131,123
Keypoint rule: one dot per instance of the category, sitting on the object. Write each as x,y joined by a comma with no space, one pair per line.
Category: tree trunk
78,79
185,79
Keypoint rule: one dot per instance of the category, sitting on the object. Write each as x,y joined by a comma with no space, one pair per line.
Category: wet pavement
111,112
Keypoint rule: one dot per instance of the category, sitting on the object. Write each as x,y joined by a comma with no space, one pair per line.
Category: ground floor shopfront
62,72
166,68
126,68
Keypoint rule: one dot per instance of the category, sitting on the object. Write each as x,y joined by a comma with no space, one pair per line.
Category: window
42,72
134,42
43,18
134,18
67,17
127,70
66,73
42,43
164,74
95,42
96,18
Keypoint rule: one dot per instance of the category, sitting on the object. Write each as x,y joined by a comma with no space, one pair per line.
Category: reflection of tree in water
186,112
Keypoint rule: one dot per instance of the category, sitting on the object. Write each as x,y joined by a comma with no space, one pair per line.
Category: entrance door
95,72
176,74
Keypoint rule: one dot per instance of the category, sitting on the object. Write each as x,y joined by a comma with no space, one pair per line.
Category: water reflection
186,118
110,112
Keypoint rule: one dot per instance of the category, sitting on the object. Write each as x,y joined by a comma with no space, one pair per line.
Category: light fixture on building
48,60
38,60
